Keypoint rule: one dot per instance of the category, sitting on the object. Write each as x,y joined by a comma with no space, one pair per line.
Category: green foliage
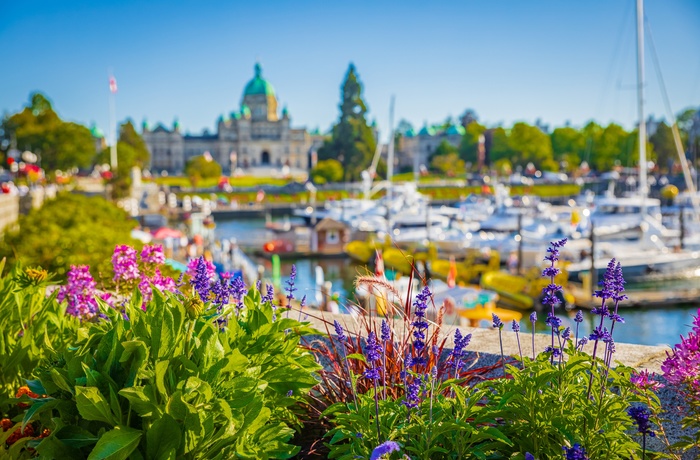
156,384
70,230
469,147
352,141
664,147
452,426
327,171
551,400
61,145
530,144
568,145
449,164
33,328
202,167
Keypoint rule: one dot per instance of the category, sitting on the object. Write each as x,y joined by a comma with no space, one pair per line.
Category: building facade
415,149
257,137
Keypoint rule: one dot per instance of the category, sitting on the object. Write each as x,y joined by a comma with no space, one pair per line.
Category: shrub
176,377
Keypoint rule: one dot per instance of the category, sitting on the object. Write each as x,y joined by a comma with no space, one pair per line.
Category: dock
641,298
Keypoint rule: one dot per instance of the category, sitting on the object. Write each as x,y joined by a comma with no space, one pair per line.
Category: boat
520,292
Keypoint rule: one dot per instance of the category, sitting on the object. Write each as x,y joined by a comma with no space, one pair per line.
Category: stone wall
9,211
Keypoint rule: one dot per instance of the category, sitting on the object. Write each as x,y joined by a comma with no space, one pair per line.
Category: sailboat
648,256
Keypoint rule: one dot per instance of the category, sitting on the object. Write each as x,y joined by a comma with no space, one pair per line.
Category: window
332,237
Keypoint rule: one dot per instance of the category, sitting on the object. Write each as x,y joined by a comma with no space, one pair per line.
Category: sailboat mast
643,187
390,150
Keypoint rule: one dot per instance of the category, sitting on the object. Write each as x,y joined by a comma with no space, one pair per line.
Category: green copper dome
245,111
258,85
96,132
455,129
410,132
426,131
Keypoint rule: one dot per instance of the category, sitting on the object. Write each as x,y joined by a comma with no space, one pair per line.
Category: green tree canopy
449,163
568,145
202,167
443,148
664,147
352,141
531,144
61,145
469,147
327,171
129,135
70,230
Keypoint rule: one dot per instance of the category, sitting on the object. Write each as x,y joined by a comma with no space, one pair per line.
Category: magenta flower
682,366
79,292
125,265
645,380
152,254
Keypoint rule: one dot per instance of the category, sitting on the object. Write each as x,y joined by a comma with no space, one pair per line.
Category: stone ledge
485,341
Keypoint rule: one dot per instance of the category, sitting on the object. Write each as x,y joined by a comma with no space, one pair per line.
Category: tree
469,147
202,167
70,230
443,149
498,146
60,145
352,141
569,146
449,163
129,135
530,145
612,148
664,147
327,171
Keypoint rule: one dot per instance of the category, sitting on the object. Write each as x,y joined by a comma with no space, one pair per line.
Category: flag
452,273
112,84
379,265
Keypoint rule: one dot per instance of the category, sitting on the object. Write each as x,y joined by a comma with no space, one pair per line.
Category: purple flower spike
497,323
533,317
420,325
373,350
384,449
577,452
579,317
529,456
515,326
339,331
640,415
385,332
412,397
290,284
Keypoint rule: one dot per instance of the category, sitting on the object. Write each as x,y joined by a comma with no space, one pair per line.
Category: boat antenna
674,126
643,187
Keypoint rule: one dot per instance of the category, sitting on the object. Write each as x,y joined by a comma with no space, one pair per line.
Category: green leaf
142,399
163,438
116,444
38,406
60,380
93,406
358,356
74,436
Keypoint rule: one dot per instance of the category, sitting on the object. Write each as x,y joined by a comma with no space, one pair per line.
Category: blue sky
508,60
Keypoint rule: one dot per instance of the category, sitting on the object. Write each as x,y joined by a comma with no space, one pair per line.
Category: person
513,262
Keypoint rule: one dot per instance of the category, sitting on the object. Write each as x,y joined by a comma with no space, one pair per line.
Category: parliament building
257,137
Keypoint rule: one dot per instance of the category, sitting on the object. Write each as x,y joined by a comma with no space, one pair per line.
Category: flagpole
113,123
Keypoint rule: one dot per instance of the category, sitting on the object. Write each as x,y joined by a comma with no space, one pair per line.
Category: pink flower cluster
192,269
128,271
645,380
682,366
126,267
152,254
79,292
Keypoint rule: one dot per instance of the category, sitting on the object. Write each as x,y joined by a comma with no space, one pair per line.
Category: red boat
278,247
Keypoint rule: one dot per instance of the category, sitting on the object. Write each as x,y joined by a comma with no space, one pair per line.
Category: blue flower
556,352
385,332
269,295
372,373
579,317
553,321
515,326
529,456
640,416
566,335
497,323
373,350
458,350
290,283
339,331
384,449
420,325
201,279
533,317
412,397
577,452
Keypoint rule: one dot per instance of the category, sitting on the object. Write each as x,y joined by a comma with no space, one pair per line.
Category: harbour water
645,326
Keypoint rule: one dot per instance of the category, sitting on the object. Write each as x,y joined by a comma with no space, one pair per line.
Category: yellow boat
473,304
521,291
